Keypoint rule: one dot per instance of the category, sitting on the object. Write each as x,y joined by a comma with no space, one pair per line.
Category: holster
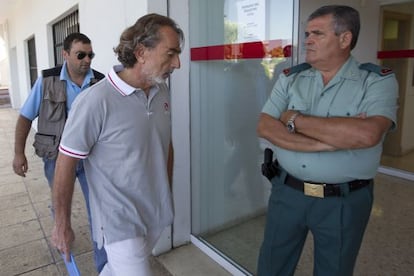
270,167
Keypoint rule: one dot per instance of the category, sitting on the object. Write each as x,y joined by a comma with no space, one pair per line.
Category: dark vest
53,112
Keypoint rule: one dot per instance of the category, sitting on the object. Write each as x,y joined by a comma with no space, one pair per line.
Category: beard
158,80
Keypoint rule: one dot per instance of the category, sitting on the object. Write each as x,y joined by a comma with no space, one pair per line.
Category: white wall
101,20
4,59
180,104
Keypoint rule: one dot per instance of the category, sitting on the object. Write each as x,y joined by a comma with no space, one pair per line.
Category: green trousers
337,225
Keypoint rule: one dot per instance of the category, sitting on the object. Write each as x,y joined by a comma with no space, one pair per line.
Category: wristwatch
290,125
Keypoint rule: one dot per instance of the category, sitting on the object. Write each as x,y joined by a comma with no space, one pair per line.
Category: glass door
238,48
397,52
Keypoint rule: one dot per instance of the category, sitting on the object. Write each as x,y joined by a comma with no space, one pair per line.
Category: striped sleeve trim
72,152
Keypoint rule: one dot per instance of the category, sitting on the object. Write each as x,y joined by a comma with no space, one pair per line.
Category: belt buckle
315,190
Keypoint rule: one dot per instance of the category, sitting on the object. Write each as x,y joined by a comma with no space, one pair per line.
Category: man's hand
62,238
20,166
275,131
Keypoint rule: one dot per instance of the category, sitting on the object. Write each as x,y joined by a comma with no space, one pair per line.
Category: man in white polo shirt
121,128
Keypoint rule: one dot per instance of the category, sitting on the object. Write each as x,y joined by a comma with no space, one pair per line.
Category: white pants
130,257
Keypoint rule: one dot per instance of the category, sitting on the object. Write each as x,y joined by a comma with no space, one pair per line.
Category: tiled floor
25,223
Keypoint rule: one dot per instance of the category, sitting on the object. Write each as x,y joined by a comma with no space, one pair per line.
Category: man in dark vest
50,101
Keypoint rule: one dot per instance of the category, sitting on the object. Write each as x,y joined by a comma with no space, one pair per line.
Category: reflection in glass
232,71
396,38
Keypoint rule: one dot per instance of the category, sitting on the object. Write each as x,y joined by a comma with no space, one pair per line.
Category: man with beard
121,129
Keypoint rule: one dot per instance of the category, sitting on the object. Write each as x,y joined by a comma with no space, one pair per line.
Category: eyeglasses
82,55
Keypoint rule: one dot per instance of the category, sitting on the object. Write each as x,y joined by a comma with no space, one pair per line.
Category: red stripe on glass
248,50
395,54
259,49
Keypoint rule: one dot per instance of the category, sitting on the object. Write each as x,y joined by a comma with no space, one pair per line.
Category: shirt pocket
46,145
345,105
299,103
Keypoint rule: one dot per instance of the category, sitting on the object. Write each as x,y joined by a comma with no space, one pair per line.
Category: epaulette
296,69
52,72
380,70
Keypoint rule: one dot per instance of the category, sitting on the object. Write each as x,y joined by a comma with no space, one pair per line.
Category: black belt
325,189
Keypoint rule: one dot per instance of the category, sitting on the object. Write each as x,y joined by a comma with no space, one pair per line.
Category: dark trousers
337,224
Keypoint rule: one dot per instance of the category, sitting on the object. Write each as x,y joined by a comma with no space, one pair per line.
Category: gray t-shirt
124,137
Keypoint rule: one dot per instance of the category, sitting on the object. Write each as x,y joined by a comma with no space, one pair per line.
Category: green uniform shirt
352,91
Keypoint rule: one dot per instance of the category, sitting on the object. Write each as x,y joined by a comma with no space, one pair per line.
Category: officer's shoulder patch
296,69
380,70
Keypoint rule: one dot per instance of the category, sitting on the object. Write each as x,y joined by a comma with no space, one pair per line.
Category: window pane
236,47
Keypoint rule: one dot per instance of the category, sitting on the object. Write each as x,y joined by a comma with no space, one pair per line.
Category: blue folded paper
71,266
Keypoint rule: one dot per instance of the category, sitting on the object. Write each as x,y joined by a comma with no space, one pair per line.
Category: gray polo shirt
124,138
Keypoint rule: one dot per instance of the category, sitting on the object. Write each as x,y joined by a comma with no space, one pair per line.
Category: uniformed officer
327,118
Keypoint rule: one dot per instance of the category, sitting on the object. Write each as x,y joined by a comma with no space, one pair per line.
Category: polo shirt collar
122,87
